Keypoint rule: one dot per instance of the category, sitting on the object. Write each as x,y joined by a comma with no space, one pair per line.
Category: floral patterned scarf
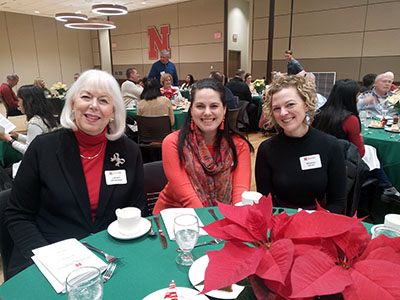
209,174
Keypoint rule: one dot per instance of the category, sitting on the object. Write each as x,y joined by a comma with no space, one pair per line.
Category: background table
146,267
8,155
179,116
388,149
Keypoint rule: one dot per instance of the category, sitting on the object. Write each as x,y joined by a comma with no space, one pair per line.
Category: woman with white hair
72,180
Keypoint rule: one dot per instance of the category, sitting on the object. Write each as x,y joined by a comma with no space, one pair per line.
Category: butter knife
163,239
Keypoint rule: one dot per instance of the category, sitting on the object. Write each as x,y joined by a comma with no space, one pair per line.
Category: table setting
148,267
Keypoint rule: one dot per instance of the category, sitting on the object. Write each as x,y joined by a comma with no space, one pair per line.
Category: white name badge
115,177
310,162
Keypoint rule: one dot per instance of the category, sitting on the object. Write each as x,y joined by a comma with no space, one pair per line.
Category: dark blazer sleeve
263,171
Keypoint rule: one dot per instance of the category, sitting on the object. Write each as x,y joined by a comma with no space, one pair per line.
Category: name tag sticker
310,162
115,177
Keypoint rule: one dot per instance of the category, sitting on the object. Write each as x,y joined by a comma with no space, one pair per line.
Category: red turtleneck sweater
92,147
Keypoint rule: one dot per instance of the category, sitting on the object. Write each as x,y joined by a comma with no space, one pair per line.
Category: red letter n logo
157,41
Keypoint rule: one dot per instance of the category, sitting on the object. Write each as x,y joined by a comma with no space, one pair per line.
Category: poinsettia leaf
229,231
374,279
280,223
384,253
276,263
382,241
354,241
315,273
231,264
262,291
318,225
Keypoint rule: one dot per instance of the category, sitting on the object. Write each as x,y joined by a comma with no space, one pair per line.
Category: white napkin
371,158
57,260
168,215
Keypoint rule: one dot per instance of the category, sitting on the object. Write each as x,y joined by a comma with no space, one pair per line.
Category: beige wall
351,37
192,43
33,46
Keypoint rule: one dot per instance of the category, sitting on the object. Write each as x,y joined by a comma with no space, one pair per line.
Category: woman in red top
206,161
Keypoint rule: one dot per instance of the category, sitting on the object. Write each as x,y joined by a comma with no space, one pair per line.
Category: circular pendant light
109,9
68,17
91,25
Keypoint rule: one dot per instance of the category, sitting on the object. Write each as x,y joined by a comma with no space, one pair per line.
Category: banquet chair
151,132
154,182
243,122
6,243
232,118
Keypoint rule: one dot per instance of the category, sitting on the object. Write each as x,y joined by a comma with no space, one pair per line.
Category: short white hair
98,80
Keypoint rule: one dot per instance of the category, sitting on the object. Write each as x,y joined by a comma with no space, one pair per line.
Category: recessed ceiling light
78,12
109,9
144,2
37,12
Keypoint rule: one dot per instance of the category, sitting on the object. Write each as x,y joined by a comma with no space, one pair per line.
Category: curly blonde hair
304,88
164,77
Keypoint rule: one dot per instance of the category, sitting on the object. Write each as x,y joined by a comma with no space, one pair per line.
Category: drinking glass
382,229
84,284
364,119
186,229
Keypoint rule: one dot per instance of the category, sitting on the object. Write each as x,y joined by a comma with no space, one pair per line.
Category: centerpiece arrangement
302,256
169,93
259,85
60,88
394,100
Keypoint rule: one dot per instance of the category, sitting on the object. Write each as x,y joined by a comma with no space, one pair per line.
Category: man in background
164,66
131,89
293,66
76,76
8,95
230,98
321,100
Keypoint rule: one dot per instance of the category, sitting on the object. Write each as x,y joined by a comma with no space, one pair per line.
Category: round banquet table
179,116
387,145
145,267
8,155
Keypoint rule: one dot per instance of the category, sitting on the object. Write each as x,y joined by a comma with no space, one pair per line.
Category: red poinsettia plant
301,256
169,93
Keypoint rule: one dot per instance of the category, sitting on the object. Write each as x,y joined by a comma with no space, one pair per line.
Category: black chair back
153,129
6,243
154,182
243,119
232,118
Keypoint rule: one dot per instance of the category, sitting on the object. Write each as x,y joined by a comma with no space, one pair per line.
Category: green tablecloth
179,116
257,100
387,145
146,268
8,155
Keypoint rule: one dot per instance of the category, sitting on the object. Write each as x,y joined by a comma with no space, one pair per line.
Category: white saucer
196,275
183,293
143,228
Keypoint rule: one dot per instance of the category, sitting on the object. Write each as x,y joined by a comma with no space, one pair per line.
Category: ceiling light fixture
91,25
109,9
68,17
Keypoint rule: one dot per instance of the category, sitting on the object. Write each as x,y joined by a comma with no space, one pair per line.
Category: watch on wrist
10,142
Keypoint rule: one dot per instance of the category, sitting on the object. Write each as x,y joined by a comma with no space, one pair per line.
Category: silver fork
109,258
109,271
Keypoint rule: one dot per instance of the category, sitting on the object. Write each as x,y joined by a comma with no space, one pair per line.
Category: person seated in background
368,82
247,79
155,103
169,91
42,84
8,95
339,117
376,104
189,81
231,102
131,89
300,165
205,162
321,100
65,186
76,76
32,102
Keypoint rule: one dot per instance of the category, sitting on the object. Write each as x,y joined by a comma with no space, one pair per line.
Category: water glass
84,284
385,230
186,229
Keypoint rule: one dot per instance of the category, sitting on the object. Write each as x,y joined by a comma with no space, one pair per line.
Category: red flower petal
231,264
229,231
277,261
382,241
315,273
374,279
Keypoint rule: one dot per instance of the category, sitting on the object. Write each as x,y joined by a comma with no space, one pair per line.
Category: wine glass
186,229
364,119
84,284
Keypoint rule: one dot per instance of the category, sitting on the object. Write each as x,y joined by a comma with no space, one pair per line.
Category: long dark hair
151,89
35,104
342,99
191,79
226,133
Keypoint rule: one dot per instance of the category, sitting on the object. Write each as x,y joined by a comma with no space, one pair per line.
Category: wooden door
234,62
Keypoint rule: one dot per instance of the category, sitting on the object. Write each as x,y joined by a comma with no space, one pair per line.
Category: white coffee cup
248,198
128,219
392,221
